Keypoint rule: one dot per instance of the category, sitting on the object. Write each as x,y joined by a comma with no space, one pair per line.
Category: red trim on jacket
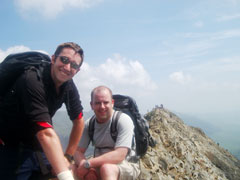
44,124
80,115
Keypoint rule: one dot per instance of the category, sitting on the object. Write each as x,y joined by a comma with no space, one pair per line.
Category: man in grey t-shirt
109,157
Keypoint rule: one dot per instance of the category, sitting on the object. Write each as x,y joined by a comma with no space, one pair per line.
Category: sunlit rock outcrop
184,152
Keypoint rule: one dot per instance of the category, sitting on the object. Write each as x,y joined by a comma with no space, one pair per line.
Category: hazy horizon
226,136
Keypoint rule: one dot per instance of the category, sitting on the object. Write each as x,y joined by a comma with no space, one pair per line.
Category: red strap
44,124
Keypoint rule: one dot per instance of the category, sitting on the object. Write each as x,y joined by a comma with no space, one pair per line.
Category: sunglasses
66,60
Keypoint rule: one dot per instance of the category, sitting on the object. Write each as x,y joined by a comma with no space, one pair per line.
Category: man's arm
79,158
79,155
113,157
75,136
53,150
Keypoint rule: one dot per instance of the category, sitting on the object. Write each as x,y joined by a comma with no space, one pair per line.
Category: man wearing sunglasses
34,147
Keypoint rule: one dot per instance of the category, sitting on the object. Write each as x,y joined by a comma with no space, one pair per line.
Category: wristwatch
87,164
69,158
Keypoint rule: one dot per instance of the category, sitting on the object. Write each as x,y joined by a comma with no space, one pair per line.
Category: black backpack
126,104
14,64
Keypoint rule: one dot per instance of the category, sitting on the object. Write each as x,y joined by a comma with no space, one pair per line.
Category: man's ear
53,59
91,104
113,102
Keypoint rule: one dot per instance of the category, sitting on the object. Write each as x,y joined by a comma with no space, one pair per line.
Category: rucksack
127,104
14,64
12,67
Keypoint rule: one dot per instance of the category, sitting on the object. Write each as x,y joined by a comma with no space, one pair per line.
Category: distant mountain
223,128
197,122
63,125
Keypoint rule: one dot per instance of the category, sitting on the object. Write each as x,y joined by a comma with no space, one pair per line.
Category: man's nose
102,105
67,67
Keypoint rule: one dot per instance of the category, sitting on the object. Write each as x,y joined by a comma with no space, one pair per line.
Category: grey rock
184,152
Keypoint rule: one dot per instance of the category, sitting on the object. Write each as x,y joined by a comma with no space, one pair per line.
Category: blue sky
182,54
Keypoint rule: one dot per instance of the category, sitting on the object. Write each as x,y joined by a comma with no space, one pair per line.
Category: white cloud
232,33
229,64
199,24
211,37
14,49
120,74
229,17
202,96
215,87
51,8
219,68
185,47
180,77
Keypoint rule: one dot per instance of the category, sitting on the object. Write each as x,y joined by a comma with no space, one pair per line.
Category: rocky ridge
184,152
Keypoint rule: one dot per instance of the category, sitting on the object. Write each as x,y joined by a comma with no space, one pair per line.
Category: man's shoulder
125,120
124,116
90,123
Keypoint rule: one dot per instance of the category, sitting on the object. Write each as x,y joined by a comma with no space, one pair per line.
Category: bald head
102,103
99,89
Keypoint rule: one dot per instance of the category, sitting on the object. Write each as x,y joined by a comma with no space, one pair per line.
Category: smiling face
62,71
102,104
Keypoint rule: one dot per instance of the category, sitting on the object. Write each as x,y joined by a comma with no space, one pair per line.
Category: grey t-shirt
102,138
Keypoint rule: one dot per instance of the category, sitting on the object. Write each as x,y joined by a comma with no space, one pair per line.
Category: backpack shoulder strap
114,123
91,127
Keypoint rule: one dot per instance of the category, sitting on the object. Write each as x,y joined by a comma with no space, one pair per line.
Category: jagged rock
184,152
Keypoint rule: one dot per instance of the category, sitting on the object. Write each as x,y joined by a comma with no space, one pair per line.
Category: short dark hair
99,88
72,45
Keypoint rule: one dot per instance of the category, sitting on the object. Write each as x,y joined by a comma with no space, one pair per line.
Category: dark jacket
33,98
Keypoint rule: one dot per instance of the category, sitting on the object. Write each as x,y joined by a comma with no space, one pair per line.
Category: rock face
184,152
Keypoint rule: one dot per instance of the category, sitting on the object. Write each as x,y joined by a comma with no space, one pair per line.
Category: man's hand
81,170
91,175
